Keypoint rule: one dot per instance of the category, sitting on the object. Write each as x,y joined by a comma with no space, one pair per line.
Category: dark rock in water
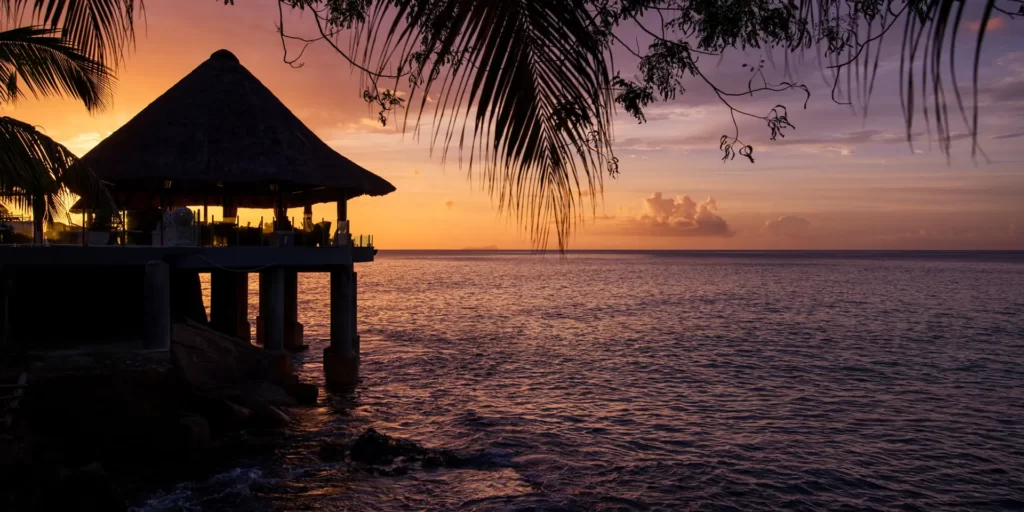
90,488
213,364
273,417
258,395
194,432
332,452
444,459
221,369
305,394
374,448
235,412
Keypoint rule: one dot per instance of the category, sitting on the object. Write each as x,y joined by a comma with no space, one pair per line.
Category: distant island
482,248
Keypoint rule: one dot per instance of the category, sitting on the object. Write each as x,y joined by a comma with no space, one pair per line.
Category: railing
362,241
199,233
203,234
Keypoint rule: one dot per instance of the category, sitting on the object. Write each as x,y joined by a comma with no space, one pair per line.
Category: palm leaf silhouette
522,89
519,87
64,48
36,59
37,171
101,30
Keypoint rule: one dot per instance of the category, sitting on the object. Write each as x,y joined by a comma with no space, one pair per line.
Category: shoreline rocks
374,449
128,421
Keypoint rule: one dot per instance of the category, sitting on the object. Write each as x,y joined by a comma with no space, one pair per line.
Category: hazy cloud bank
681,216
789,226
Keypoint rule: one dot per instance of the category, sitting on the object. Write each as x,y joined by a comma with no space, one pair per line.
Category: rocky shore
97,429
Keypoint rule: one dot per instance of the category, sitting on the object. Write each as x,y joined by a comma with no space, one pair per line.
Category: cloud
993,25
449,204
788,226
681,216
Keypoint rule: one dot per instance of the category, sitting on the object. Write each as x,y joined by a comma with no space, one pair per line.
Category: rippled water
666,380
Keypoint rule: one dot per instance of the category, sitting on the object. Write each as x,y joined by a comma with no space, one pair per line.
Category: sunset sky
837,182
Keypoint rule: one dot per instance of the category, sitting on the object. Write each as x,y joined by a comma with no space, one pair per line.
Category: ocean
662,380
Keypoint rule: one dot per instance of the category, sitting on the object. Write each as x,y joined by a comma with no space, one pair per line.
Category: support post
272,308
229,303
341,232
230,209
355,317
38,212
293,330
263,309
157,306
307,217
187,297
5,319
280,212
273,321
341,359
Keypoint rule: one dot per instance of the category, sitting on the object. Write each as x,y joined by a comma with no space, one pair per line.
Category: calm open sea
736,381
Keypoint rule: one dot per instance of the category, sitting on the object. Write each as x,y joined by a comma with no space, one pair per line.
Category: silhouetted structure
218,137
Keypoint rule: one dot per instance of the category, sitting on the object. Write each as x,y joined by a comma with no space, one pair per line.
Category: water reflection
633,381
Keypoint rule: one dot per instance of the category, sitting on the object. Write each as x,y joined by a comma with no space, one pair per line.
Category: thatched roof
219,131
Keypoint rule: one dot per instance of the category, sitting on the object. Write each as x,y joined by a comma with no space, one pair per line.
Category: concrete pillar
5,322
272,308
262,310
187,297
271,322
229,303
157,306
341,308
355,316
341,359
293,330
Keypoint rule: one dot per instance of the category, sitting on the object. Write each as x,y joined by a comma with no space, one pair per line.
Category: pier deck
202,259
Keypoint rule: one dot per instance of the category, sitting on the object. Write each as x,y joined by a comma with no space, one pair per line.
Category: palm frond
523,89
39,60
854,34
34,167
518,88
102,30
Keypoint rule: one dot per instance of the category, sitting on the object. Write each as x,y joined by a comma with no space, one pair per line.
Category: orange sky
838,182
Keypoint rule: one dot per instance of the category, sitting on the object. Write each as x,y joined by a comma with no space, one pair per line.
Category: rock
272,416
89,488
374,448
194,432
237,413
332,452
257,395
212,364
443,459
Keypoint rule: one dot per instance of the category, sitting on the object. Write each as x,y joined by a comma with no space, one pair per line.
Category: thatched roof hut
220,133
